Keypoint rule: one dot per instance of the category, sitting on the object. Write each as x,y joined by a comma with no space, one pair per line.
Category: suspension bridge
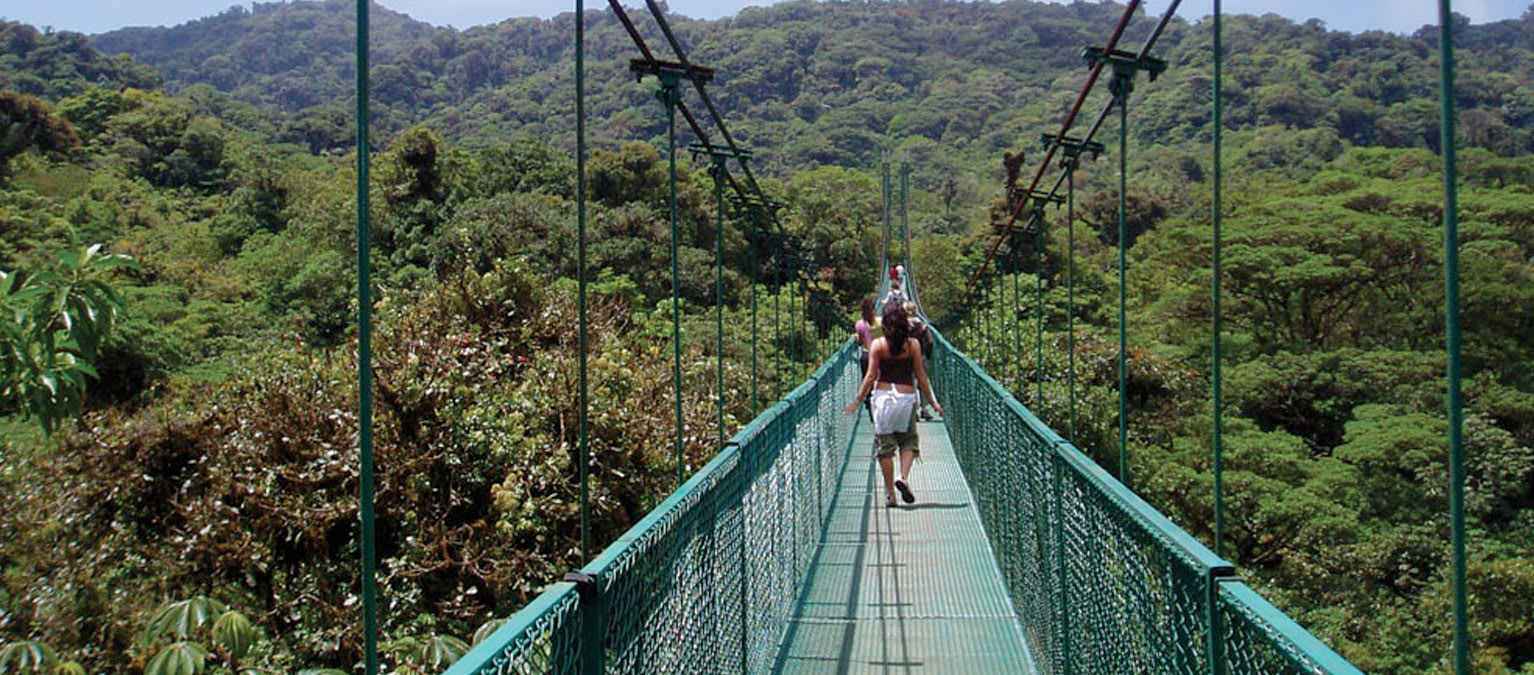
1021,554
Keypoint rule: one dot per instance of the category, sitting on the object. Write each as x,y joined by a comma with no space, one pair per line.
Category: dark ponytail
897,329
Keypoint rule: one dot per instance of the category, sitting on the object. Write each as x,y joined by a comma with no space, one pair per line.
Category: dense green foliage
1335,435
54,323
55,65
952,84
215,460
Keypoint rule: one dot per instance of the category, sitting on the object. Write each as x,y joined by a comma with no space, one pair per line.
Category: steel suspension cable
888,207
1144,52
1452,334
993,344
1215,645
1000,305
1092,77
1070,117
669,96
752,187
998,339
1038,304
1017,335
756,231
580,272
1218,404
777,329
905,216
1123,370
718,169
1070,294
365,360
984,337
793,316
988,337
724,132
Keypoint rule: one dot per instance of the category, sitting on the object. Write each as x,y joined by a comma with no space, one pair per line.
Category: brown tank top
899,369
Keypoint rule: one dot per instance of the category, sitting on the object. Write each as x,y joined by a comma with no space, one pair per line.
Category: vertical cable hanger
1071,150
365,359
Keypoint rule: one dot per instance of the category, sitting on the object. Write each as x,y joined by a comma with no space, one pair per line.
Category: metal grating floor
909,589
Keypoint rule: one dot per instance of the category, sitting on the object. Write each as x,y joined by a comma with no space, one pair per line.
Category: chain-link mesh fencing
1103,583
707,581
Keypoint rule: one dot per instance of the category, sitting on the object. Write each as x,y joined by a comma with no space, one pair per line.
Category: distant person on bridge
864,333
896,296
894,360
923,334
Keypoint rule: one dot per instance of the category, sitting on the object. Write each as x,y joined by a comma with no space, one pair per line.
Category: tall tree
27,123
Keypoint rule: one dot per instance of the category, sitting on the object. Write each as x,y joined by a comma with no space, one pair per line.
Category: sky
98,16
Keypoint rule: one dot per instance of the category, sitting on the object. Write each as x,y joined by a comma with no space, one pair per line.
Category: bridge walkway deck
908,589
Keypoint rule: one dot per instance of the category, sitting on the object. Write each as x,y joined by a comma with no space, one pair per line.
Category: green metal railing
707,581
1103,582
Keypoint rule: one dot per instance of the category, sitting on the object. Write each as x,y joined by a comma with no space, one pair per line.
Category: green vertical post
1217,664
744,471
1002,320
756,230
905,213
1070,290
1124,69
793,316
718,172
1123,105
777,326
994,299
979,300
1062,580
580,269
670,96
1038,308
987,306
993,305
1017,334
980,319
365,359
1218,404
1451,320
809,364
887,208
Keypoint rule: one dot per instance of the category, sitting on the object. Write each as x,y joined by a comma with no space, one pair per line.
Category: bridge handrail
541,637
1102,581
1267,637
706,580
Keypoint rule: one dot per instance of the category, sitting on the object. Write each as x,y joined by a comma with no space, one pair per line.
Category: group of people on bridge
895,387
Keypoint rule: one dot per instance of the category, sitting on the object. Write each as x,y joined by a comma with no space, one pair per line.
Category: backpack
923,336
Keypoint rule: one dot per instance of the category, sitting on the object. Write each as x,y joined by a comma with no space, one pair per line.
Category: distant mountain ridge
834,82
270,54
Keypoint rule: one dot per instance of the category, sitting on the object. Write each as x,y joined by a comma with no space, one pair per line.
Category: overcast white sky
97,16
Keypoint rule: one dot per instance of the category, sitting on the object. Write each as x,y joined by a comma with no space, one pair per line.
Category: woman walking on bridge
894,360
863,331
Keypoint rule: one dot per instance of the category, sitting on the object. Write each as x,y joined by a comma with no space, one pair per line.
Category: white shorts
894,412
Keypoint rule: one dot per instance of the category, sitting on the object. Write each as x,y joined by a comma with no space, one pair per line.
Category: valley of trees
177,388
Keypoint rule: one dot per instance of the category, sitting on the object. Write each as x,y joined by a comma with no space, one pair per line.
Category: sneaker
889,500
925,416
905,491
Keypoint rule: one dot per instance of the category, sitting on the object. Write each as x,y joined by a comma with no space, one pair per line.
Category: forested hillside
211,469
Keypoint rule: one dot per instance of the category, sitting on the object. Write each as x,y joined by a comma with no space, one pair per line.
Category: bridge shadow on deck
909,589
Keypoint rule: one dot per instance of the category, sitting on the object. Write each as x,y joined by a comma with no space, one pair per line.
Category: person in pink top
864,333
